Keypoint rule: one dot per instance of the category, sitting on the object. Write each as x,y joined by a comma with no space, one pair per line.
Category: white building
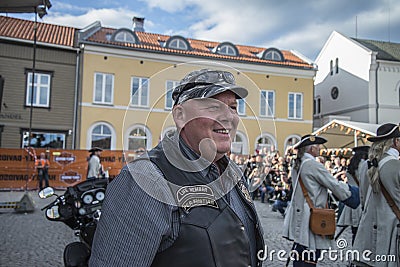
357,80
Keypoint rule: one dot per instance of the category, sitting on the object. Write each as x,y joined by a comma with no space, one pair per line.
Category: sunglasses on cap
205,78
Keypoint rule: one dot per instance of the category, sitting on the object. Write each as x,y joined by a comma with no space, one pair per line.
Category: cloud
116,18
292,25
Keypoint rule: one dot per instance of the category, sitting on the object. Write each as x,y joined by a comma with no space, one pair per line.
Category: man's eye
234,107
213,108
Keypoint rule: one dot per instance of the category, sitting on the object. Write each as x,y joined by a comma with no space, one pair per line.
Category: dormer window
227,49
177,42
272,54
125,36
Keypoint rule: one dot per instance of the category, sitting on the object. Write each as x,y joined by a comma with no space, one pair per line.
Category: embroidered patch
245,191
312,138
196,195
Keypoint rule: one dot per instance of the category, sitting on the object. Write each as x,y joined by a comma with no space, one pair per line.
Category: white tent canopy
344,135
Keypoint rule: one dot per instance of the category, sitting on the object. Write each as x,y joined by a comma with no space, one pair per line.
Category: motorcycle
79,208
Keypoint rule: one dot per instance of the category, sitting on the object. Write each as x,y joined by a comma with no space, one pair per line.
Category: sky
303,26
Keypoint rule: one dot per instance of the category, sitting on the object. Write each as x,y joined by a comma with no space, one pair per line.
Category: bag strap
356,180
305,193
390,201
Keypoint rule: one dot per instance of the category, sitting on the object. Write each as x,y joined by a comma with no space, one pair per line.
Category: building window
41,90
291,141
44,139
317,106
124,36
103,88
140,92
138,139
331,67
241,106
170,85
239,144
272,54
337,65
264,143
101,136
226,48
178,42
295,106
334,93
267,103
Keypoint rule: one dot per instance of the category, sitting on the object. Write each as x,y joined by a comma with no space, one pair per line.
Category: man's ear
178,113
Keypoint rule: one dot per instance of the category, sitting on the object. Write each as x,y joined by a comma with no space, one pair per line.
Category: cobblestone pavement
29,239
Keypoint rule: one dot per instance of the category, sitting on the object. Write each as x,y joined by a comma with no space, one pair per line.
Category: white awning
345,135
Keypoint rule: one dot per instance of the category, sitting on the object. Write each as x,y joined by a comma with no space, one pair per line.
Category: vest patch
196,195
245,191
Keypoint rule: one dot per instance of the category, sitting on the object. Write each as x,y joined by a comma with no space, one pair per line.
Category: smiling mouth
222,131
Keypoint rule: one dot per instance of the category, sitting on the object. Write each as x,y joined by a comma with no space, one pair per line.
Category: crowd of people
269,174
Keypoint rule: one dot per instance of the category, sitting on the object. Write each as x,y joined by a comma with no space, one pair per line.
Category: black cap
385,131
308,140
206,83
94,149
360,149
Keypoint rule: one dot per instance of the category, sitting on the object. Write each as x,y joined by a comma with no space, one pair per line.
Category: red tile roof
151,41
46,33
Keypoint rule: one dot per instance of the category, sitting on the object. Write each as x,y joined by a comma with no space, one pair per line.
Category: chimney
138,24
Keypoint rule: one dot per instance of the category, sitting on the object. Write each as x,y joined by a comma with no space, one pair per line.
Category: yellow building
126,77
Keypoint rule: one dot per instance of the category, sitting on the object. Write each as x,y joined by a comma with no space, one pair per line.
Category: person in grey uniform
351,217
379,228
317,180
184,203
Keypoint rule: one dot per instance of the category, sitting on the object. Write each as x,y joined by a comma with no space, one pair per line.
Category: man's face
209,125
314,150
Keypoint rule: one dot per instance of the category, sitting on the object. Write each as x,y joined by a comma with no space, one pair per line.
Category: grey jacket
379,228
317,181
349,216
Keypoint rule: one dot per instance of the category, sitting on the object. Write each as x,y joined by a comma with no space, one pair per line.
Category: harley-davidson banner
67,167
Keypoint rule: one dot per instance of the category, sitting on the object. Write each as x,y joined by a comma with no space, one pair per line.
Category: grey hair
376,151
300,154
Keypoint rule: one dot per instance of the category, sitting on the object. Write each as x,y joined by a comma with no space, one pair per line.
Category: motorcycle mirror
52,213
47,192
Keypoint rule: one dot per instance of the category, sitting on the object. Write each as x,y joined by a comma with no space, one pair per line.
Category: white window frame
298,137
169,86
227,50
37,84
267,136
142,80
268,112
113,135
273,55
149,136
244,143
178,43
241,103
125,36
103,89
295,94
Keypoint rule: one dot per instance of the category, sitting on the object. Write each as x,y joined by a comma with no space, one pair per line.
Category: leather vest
210,232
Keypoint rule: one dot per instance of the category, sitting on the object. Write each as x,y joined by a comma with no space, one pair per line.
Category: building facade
128,74
357,80
48,113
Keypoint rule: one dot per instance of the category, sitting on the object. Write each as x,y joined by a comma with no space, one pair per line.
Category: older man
316,181
186,203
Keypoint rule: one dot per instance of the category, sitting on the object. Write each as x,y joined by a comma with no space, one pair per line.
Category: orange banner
67,167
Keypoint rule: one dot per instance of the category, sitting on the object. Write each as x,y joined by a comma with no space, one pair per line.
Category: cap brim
218,88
